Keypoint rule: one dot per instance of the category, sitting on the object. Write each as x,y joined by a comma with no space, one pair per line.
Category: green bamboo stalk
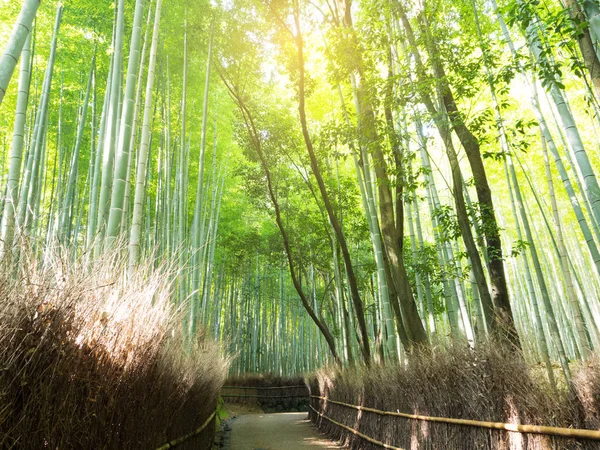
134,124
563,257
16,42
112,133
16,154
537,317
95,182
140,188
370,208
125,130
66,217
552,322
197,238
30,181
566,116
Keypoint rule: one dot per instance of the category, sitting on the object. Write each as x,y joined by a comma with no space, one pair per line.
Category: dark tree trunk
391,220
296,280
352,282
586,46
503,323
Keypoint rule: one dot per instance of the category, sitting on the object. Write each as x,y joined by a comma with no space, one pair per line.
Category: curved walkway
281,431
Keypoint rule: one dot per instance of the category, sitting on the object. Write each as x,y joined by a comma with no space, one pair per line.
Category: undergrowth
93,359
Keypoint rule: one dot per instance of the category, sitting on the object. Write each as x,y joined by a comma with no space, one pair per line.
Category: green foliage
448,229
255,64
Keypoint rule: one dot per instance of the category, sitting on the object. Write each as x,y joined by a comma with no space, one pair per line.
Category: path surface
282,431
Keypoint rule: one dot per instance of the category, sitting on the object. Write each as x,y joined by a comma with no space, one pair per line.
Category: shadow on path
281,431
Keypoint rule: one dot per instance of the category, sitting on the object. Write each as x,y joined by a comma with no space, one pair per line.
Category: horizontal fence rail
265,392
531,429
180,440
356,432
262,396
266,387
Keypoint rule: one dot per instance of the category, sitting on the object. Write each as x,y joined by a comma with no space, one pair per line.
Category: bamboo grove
326,181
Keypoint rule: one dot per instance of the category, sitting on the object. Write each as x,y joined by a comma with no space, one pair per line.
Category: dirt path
282,431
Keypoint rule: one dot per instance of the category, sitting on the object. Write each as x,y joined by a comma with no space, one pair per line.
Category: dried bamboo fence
270,398
458,399
574,435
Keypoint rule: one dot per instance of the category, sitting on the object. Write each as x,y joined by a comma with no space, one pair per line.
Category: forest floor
249,428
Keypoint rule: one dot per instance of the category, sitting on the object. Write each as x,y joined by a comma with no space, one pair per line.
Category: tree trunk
504,321
256,143
409,316
586,46
358,305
